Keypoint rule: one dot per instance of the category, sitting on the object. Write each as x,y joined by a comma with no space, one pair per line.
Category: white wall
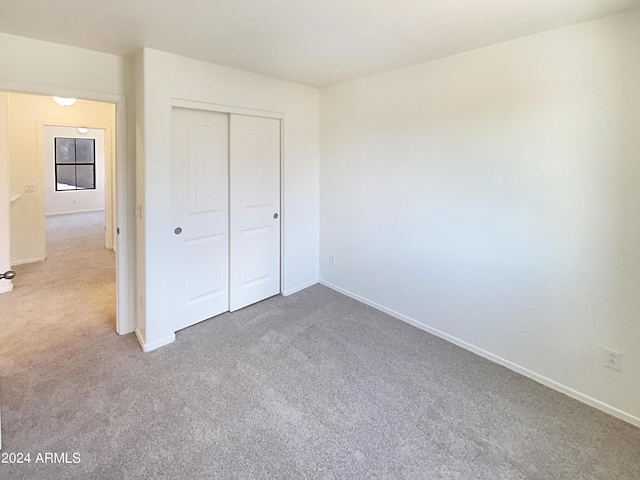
167,77
33,66
59,202
494,197
28,115
30,64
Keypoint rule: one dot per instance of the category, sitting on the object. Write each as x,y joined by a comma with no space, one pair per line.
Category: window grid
71,160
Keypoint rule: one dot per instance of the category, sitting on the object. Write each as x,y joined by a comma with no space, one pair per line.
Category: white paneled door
200,214
225,208
255,209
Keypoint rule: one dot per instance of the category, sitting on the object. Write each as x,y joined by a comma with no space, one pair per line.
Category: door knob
177,231
275,215
8,275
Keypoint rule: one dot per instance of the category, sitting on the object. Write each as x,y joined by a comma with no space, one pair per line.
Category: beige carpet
64,304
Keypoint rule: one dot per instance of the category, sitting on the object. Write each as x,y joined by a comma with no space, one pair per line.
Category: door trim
125,304
215,107
109,177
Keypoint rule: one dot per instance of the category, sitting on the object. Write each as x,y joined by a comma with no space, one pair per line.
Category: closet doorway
225,210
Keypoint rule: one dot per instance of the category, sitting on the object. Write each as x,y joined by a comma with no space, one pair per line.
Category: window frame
75,163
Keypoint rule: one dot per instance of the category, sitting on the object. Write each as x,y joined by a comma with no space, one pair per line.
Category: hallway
61,306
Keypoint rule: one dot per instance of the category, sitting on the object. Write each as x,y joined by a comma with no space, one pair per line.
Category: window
75,164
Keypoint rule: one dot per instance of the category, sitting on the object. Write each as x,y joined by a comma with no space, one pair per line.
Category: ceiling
313,42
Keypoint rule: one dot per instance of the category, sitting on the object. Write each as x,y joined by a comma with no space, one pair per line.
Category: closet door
200,214
255,209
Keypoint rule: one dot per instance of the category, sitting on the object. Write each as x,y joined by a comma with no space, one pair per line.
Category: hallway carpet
315,385
62,304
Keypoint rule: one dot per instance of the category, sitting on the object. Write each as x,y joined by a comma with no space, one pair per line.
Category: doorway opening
79,173
63,229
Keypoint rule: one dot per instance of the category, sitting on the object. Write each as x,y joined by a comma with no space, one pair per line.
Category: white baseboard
127,330
75,211
28,260
581,397
299,288
147,347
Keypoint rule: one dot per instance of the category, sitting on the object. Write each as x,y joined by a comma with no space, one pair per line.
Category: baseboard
581,397
6,288
299,288
147,347
75,211
129,329
28,260
140,339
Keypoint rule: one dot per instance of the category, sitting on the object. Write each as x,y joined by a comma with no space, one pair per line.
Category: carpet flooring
315,385
60,305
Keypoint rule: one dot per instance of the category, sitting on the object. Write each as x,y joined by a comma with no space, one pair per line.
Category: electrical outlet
75,200
332,260
612,359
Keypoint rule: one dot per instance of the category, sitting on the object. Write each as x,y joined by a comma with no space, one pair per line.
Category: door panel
208,281
200,208
255,256
255,209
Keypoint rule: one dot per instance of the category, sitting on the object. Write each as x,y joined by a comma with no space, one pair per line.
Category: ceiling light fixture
64,102
83,129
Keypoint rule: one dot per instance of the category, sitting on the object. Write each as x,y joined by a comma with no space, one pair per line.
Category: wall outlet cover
612,359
